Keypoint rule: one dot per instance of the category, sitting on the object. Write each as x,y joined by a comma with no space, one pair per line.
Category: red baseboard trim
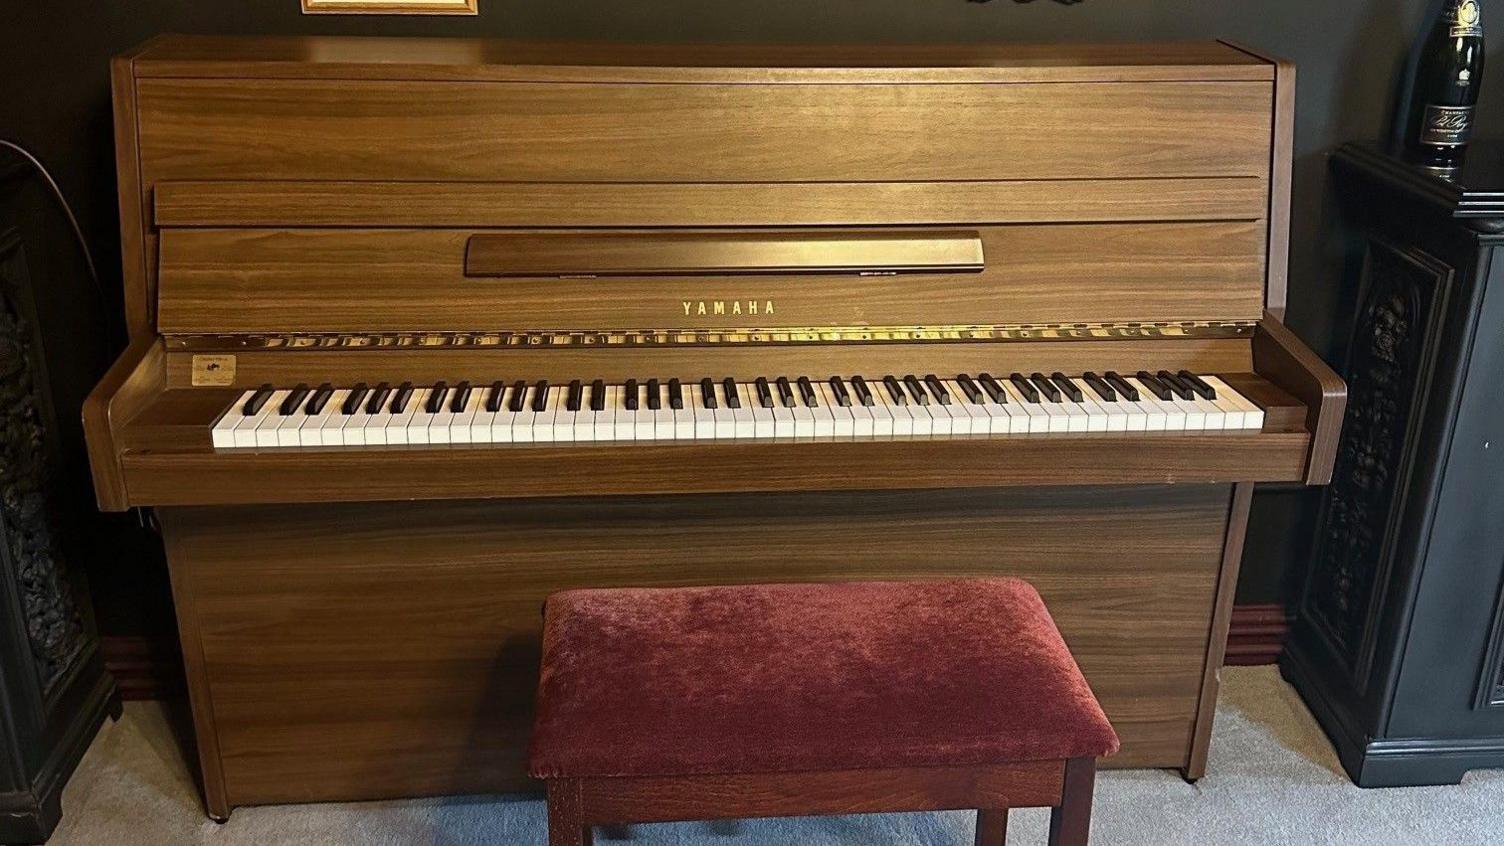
152,667
144,667
1256,634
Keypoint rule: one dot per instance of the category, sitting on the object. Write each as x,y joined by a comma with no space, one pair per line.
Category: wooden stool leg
565,827
1070,821
992,826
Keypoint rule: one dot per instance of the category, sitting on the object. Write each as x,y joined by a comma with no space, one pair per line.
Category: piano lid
314,57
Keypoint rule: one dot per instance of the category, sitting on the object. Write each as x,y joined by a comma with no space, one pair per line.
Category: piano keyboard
726,409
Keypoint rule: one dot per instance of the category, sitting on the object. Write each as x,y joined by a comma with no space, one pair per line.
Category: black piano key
319,399
294,399
895,390
838,387
807,393
352,402
1122,386
403,396
576,396
519,396
1155,386
461,397
969,387
258,400
436,396
540,398
378,398
675,395
1067,387
916,390
707,393
1024,386
993,389
494,398
598,395
937,389
1198,385
863,393
655,396
629,393
1177,387
728,387
785,393
1104,390
764,393
1045,386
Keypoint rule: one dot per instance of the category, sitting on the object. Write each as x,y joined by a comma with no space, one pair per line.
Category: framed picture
389,7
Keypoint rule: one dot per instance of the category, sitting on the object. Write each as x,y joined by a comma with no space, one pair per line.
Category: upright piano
423,330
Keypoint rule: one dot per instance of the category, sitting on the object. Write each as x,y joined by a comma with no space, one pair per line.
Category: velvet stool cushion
808,677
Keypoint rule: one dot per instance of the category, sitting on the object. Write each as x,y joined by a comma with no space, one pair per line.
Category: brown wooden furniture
343,210
659,705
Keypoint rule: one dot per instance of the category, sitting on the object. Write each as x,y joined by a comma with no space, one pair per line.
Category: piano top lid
333,57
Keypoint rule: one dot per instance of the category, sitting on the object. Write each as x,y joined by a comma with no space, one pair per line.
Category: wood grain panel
323,57
333,280
203,476
665,799
418,130
398,656
564,204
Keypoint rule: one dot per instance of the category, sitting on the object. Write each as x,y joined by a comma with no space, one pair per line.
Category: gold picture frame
389,7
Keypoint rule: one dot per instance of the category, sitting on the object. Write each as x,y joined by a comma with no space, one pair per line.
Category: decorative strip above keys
709,337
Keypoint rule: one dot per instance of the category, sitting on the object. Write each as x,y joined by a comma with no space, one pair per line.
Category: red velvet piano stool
658,705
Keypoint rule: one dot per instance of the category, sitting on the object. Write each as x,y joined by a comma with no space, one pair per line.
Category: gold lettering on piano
724,307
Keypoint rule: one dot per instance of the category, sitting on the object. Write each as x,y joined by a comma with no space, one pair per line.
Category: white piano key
941,425
525,421
663,418
821,413
965,418
862,424
745,422
1038,420
249,432
561,425
763,425
704,418
783,418
845,418
605,419
1229,399
289,424
1113,415
330,423
645,427
626,419
684,417
460,431
222,434
722,414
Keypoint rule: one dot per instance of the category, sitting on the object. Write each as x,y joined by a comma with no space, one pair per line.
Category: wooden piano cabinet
375,650
362,622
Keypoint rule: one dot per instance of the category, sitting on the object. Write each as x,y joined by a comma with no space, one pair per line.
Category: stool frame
576,805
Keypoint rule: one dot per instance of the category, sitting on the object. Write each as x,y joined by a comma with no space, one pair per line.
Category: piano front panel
322,129
336,280
360,651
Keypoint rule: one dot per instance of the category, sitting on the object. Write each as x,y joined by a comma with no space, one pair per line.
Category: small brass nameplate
213,371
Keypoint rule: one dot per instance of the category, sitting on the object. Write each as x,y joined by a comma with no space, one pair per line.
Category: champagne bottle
1446,83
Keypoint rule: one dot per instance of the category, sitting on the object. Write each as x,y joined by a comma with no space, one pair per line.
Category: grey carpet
1273,779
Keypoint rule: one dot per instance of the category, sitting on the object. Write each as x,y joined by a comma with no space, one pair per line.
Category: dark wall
1351,54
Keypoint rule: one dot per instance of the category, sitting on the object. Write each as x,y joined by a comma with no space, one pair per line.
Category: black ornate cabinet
1398,646
53,688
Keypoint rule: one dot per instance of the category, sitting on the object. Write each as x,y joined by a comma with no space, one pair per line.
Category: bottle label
1447,125
1465,19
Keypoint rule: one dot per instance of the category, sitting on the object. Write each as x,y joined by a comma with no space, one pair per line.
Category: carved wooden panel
29,543
1393,344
